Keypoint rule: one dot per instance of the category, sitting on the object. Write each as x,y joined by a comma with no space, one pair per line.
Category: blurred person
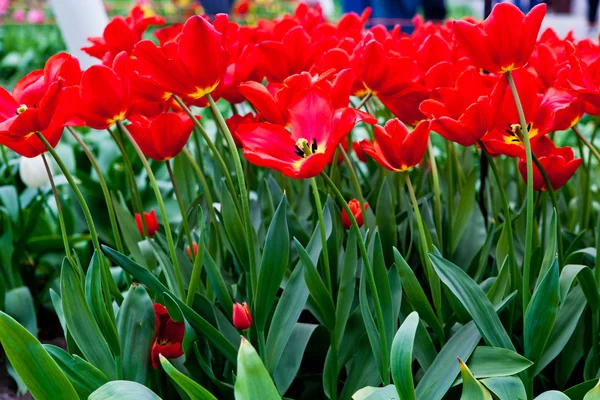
212,7
592,17
526,5
404,9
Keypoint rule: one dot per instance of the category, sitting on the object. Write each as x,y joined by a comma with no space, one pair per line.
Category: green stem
161,205
356,184
203,182
436,193
186,225
243,191
530,210
434,283
195,279
364,100
61,218
451,187
552,194
325,253
213,148
586,142
370,277
105,191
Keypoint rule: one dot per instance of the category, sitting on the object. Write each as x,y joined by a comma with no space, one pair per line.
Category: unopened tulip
242,319
354,206
151,223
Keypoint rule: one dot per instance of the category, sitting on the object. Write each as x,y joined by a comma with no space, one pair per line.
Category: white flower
33,172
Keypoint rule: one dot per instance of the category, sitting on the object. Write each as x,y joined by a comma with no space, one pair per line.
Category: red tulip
236,120
358,150
151,223
288,55
461,114
316,130
504,41
169,336
189,250
397,149
242,319
192,65
163,137
354,206
559,163
583,77
37,105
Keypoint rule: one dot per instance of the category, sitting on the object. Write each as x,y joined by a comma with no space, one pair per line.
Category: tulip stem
161,205
136,199
370,277
356,184
554,201
213,148
364,100
325,250
107,287
243,191
203,182
61,218
436,192
530,205
424,247
186,225
585,141
104,186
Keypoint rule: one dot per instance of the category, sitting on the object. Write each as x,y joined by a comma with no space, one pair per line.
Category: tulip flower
192,65
461,114
395,147
242,319
151,223
504,41
35,106
359,152
169,336
163,137
236,120
559,163
189,250
317,128
354,206
33,172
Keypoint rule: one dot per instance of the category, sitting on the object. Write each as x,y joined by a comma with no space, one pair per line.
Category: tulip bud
242,319
358,150
189,250
354,206
151,223
33,172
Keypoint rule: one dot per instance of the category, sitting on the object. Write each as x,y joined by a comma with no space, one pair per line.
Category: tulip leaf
19,305
401,357
274,263
191,388
33,364
131,235
292,356
383,289
232,222
506,387
253,380
472,389
593,394
550,253
123,390
216,282
84,377
552,395
474,300
345,295
486,362
463,210
386,221
541,314
376,393
372,332
136,324
81,323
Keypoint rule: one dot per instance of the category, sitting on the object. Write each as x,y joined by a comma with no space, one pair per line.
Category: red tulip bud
151,223
354,206
242,319
189,250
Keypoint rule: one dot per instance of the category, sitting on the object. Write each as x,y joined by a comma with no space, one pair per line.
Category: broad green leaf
363,370
586,280
463,210
253,381
191,388
550,252
130,233
372,331
541,314
506,387
234,227
552,395
82,325
498,289
486,362
579,391
377,393
273,265
84,377
292,356
401,357
216,282
383,289
472,389
43,378
19,305
474,300
166,265
345,295
123,390
136,324
593,394
386,221
416,296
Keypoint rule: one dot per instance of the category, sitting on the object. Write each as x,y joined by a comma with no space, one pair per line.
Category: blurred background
29,33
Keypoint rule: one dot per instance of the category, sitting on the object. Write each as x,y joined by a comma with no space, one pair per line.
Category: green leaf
472,388
541,314
123,390
586,280
372,332
579,391
377,393
593,394
43,377
273,265
84,377
416,296
552,395
292,356
136,324
463,210
474,300
82,325
345,295
232,222
191,388
550,253
506,387
383,289
130,233
216,282
401,357
486,362
498,289
19,305
253,381
386,221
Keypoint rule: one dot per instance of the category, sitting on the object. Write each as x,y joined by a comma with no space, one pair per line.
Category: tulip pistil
22,108
516,131
302,148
